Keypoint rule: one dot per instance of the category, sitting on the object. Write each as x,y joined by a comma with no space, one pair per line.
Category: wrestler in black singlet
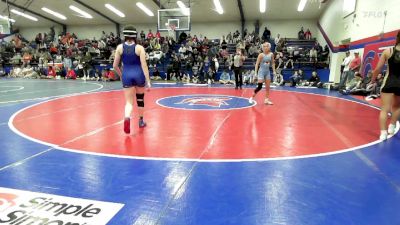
391,83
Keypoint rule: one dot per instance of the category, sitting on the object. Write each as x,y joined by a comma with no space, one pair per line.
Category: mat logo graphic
7,200
205,102
23,207
209,101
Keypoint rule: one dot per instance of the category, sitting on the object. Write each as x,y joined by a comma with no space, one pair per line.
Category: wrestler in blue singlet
132,73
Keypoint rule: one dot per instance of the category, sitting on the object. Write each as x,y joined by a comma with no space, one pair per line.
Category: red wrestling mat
297,125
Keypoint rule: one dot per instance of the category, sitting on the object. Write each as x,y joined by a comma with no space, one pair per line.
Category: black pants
178,74
238,76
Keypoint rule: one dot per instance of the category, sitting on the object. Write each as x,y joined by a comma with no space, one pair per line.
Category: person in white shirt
182,50
277,39
188,49
238,60
278,78
346,69
313,55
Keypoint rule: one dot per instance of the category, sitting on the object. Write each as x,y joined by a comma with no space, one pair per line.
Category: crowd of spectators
352,82
62,56
185,58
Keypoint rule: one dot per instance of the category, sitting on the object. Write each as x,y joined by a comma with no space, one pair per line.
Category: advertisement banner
372,53
24,207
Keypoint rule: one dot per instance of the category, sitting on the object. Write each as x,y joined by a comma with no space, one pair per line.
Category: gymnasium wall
30,32
362,27
286,28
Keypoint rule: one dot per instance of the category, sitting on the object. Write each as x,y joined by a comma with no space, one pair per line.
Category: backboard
4,26
168,18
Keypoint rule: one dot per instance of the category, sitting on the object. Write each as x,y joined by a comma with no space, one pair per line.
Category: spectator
2,71
16,72
29,73
314,80
205,40
53,49
279,59
354,66
253,51
182,49
109,75
209,76
308,34
229,38
296,78
249,77
376,88
346,69
18,45
87,65
51,73
142,35
27,57
325,54
182,37
277,39
224,44
58,58
196,69
353,84
176,66
71,74
318,47
214,68
156,45
158,35
195,39
290,58
150,35
313,55
185,78
16,59
266,35
301,34
206,67
246,77
226,78
278,78
236,36
240,45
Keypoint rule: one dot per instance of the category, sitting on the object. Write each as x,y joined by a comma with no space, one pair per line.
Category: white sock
128,110
383,132
391,128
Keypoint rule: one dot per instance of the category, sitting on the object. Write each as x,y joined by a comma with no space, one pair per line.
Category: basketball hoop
172,27
171,31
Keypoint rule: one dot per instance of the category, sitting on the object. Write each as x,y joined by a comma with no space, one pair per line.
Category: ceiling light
56,14
302,4
145,9
263,6
81,12
349,5
184,9
114,10
6,18
24,15
218,6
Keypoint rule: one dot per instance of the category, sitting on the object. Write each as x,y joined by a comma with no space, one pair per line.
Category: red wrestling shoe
127,125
